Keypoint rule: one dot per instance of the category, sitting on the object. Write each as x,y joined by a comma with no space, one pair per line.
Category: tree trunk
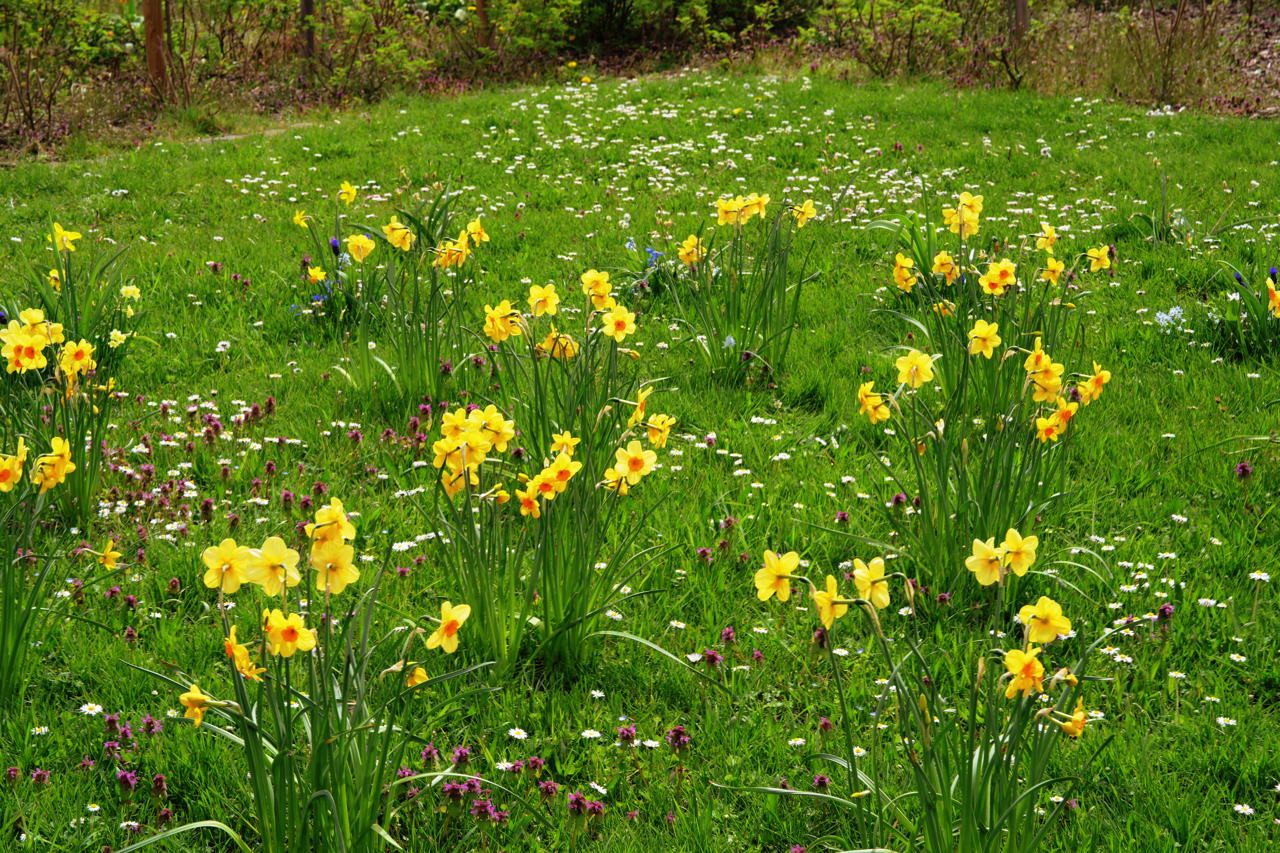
482,17
307,11
153,36
1020,18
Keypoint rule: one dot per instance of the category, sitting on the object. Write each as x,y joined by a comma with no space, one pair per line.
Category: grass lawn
570,178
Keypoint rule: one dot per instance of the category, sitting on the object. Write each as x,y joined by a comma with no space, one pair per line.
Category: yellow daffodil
1044,621
984,338
300,218
999,277
1052,271
130,291
288,634
871,583
451,619
618,323
63,239
915,368
691,251
945,265
1046,238
985,562
1091,388
77,359
804,212
1019,552
729,211
1027,672
346,192
1074,723
634,462
501,322
543,300
1048,429
359,246
1099,258
53,467
642,400
828,608
316,274
11,468
334,564
476,232
225,565
658,428
774,577
273,566
195,702
110,557
331,523
416,677
903,273
564,442
399,235
528,500
872,404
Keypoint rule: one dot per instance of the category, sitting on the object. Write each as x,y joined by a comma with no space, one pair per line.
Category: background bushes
72,68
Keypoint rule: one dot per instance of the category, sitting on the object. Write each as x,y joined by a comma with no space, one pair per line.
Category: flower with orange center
451,619
774,577
634,462
288,634
1027,672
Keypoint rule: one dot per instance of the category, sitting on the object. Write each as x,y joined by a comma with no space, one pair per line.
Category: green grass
563,178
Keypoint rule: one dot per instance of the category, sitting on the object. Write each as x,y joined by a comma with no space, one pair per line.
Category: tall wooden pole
153,37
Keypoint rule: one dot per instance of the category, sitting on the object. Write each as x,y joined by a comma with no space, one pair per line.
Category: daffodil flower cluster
1043,623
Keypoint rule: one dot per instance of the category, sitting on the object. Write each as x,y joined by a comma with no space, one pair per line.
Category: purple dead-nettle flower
679,739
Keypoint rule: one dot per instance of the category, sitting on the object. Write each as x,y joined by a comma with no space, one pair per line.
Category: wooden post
1021,19
153,37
